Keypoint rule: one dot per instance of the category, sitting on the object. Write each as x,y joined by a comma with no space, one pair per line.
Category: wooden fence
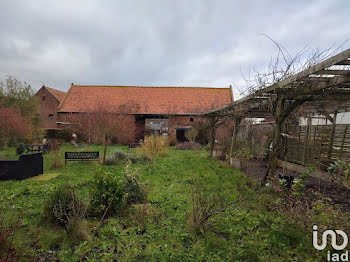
317,145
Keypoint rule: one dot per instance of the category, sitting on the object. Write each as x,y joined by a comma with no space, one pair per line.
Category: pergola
323,88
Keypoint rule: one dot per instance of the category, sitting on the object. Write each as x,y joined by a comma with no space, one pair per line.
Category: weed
120,157
340,173
204,206
189,146
8,229
141,213
56,160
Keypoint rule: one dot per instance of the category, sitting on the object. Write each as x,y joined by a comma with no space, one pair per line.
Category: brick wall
132,128
85,125
47,108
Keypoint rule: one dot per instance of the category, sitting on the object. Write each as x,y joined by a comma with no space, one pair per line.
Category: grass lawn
247,231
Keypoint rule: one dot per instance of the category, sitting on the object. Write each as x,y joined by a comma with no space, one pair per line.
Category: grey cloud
193,43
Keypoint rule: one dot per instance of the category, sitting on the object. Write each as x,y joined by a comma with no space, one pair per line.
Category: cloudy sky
158,42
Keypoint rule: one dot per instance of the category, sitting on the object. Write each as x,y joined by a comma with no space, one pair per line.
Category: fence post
306,139
299,143
321,144
331,139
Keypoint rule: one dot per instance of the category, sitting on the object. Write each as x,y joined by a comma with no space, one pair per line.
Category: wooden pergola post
331,138
343,142
237,121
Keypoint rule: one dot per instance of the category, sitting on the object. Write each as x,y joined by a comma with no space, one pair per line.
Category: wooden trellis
309,145
323,88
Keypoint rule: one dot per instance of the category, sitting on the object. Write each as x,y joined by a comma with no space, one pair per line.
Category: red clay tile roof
59,95
145,100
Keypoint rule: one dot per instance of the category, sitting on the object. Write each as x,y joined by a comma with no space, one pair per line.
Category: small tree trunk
270,172
212,135
105,149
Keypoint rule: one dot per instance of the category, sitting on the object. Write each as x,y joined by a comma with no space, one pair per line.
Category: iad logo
333,235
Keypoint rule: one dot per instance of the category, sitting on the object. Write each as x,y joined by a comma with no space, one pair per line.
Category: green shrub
64,207
106,193
134,192
20,148
119,157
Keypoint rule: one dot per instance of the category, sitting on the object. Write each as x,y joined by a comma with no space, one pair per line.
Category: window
51,116
191,119
43,98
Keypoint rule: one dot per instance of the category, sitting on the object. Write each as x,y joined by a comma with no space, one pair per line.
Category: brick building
165,110
49,100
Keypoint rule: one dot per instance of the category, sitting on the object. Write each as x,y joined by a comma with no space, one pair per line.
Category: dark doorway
180,134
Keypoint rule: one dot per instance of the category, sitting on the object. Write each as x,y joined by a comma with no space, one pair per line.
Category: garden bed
339,195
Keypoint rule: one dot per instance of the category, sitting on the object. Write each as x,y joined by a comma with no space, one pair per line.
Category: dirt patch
339,195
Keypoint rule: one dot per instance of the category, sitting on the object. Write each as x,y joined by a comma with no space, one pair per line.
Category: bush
119,157
56,160
64,207
106,193
134,192
111,192
20,149
189,146
154,146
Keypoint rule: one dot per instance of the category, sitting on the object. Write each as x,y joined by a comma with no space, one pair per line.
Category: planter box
236,162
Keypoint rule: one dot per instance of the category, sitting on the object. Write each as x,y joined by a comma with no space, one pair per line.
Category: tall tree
12,124
18,104
18,95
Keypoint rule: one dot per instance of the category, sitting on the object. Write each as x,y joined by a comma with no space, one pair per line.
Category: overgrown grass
157,231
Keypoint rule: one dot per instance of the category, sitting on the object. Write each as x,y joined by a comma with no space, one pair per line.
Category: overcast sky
158,42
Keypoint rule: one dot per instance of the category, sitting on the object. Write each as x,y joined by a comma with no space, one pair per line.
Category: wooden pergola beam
334,72
314,87
313,79
344,62
310,71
